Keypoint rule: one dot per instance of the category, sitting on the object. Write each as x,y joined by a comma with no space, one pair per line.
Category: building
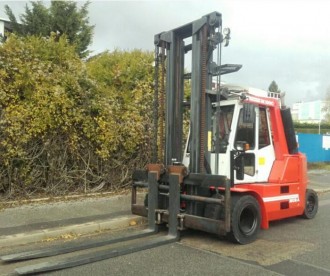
5,26
310,112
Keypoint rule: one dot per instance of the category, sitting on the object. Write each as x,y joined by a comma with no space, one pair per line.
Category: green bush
312,128
67,126
124,81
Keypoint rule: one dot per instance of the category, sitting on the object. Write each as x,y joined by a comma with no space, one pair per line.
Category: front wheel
245,219
311,204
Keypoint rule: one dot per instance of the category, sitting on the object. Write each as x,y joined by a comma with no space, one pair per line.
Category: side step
173,235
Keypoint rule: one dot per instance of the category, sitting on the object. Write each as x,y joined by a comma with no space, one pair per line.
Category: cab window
245,131
221,131
264,139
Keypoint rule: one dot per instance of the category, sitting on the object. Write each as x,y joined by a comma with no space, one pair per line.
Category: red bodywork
284,194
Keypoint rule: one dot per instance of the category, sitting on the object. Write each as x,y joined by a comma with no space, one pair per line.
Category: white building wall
309,112
2,28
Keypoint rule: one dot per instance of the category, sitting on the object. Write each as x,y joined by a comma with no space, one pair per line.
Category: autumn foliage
68,125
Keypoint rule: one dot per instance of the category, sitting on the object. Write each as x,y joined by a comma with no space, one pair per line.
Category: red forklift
240,167
236,168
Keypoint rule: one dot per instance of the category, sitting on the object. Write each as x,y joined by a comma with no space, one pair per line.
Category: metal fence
315,146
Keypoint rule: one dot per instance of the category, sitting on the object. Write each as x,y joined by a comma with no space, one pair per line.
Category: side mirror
239,167
236,164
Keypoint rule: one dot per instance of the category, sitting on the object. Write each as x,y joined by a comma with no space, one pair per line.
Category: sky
283,40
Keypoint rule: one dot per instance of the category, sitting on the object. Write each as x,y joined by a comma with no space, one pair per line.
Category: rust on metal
139,210
157,168
205,224
178,170
161,105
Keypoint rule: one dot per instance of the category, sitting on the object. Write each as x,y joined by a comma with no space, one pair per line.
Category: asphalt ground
65,219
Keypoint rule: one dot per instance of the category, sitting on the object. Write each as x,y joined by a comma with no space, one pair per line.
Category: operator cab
244,127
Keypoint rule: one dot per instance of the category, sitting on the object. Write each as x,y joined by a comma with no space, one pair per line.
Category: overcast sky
281,40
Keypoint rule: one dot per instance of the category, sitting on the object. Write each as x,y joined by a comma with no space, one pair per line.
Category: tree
326,107
69,125
44,109
62,18
273,87
125,81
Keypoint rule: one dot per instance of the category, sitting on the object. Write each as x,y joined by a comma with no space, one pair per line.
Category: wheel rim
248,221
310,204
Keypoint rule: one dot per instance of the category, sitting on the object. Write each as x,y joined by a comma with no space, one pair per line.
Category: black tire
311,204
245,219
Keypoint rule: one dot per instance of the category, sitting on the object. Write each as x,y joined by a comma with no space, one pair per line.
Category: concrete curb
72,230
81,229
321,191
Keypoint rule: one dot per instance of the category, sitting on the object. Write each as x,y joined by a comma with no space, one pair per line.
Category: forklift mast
201,38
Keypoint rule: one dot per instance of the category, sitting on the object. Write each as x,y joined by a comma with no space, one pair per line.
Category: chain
155,111
162,105
218,110
204,49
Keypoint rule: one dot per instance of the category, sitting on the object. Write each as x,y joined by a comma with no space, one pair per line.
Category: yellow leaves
124,84
55,108
39,92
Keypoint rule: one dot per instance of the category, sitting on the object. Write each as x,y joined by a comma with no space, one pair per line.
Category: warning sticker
261,161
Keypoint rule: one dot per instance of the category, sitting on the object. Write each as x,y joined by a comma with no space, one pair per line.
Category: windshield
221,127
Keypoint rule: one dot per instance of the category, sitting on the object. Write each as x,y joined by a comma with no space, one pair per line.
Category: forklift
240,167
236,168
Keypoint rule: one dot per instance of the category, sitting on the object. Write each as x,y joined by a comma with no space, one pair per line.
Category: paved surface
64,219
43,220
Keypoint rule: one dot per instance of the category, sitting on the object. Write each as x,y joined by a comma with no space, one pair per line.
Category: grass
319,166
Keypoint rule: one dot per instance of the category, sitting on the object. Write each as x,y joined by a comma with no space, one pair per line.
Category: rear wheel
245,219
311,204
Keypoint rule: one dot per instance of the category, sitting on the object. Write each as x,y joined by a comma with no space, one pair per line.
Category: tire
245,219
311,204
